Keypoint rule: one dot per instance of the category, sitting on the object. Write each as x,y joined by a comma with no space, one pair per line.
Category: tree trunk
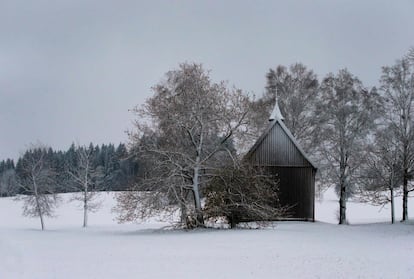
392,197
342,181
85,205
196,191
85,214
38,208
232,222
405,185
183,214
183,207
406,143
392,206
39,211
342,205
405,197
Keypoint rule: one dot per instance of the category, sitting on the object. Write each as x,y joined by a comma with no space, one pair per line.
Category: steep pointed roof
289,135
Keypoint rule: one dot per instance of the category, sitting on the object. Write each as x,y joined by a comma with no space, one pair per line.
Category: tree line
196,132
188,142
41,173
361,137
111,168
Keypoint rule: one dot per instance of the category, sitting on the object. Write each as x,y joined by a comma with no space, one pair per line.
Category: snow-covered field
369,248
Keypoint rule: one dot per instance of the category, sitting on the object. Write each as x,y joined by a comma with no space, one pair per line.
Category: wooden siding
277,149
297,190
280,154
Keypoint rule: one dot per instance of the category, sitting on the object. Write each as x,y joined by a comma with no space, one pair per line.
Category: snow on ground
327,210
287,250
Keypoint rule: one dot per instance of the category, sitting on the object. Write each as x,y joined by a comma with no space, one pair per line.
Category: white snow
369,248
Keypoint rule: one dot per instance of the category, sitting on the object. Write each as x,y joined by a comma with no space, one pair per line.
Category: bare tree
410,56
242,192
381,174
37,180
295,89
345,115
185,130
84,175
398,85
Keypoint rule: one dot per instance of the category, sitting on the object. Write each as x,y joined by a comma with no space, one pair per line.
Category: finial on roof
276,114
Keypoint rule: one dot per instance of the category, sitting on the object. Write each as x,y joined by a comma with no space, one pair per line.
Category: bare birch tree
84,175
37,180
398,85
381,174
345,115
185,131
295,89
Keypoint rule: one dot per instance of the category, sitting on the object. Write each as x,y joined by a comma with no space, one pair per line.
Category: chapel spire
276,114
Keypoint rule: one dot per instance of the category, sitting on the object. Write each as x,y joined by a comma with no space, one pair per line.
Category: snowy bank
287,250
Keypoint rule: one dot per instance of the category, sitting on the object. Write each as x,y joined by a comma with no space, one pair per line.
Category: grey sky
70,70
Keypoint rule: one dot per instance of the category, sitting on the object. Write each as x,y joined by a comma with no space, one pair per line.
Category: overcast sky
70,70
